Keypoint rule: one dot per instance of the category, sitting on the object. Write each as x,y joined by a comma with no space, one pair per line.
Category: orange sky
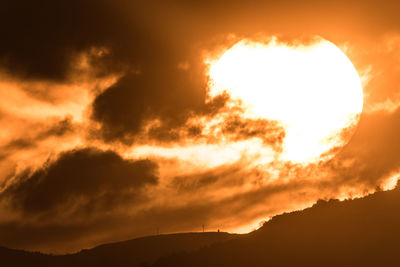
107,125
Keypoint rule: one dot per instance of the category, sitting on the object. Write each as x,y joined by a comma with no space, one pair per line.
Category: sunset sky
122,119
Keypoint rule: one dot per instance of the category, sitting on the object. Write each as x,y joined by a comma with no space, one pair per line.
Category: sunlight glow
390,182
208,156
313,91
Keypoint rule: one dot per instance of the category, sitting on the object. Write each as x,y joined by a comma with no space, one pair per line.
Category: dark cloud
270,132
43,39
170,96
87,175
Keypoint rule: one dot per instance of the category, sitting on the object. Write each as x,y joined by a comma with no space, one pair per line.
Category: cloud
57,129
44,42
270,132
170,96
81,176
372,150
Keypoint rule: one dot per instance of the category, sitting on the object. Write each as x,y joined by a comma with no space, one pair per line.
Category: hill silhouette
136,252
359,232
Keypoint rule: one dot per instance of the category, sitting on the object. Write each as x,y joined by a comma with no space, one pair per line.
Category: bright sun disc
312,90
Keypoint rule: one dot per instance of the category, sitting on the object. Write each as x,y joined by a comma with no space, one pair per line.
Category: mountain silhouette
358,232
136,252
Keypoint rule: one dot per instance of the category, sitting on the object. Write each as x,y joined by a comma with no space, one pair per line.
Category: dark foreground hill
360,232
136,252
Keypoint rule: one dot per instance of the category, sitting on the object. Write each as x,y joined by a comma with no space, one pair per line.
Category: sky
109,132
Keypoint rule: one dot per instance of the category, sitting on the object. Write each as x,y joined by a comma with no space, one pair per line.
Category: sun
312,90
